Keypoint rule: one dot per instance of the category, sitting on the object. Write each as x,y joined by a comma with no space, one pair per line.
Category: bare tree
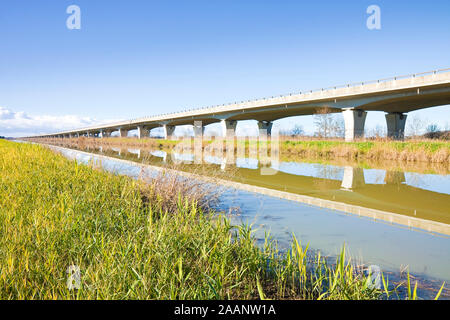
378,132
323,120
432,128
328,125
415,126
297,130
339,126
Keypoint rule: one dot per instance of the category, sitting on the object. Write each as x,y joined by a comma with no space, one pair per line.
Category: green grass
129,243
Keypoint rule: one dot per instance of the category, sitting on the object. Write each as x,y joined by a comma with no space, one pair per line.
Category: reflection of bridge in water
392,201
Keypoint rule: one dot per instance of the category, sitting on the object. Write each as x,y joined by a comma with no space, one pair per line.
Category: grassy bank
407,151
136,240
413,151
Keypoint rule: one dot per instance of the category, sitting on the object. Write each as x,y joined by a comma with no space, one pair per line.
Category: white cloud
17,124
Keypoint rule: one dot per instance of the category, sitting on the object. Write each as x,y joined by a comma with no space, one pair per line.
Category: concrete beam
265,125
228,128
354,123
168,131
396,125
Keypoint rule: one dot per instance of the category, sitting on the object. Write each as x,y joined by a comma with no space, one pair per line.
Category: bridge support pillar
354,123
105,134
228,128
123,133
353,178
396,125
199,129
143,132
265,125
168,131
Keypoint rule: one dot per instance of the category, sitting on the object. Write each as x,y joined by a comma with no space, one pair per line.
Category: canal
392,215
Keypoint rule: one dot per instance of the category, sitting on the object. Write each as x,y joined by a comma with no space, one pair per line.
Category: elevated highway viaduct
396,96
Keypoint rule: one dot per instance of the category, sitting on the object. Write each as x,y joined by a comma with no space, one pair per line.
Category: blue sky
138,58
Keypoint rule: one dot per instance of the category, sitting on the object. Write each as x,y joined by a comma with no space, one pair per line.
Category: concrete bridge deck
395,96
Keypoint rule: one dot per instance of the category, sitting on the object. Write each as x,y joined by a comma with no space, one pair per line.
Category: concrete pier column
143,132
396,125
354,123
353,178
123,133
199,129
228,128
168,131
105,134
265,125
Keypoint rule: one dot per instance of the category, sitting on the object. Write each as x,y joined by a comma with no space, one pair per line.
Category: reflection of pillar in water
136,152
198,142
353,178
164,157
118,150
394,177
270,168
223,165
226,161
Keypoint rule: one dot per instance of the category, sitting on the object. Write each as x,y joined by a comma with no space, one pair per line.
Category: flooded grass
136,240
